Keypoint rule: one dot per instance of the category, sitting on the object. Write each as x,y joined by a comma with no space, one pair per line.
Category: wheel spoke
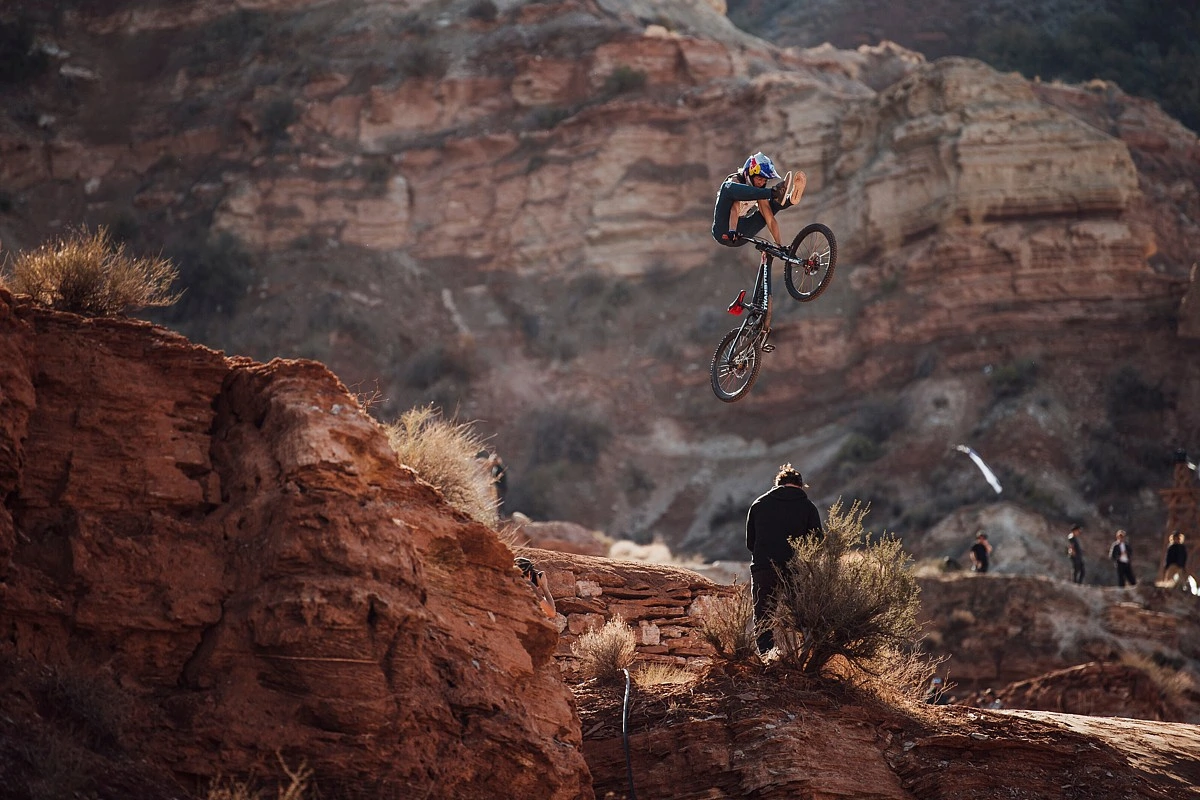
816,252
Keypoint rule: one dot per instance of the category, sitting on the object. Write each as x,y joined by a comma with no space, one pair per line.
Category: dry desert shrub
298,786
1172,683
656,673
90,274
727,623
848,595
92,705
605,652
443,452
56,765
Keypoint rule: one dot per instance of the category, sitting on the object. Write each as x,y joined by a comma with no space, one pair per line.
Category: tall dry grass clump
604,652
849,595
727,623
298,787
656,675
90,274
443,452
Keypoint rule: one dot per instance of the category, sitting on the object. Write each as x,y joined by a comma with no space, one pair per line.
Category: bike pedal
768,348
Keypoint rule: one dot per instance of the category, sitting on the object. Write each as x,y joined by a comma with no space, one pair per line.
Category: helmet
759,164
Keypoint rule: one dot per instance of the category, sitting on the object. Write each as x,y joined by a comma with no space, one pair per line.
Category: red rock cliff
235,545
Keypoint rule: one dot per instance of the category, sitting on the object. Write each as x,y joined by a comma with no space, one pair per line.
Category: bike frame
770,251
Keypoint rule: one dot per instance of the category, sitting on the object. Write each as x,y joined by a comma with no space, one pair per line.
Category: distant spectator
499,474
782,514
935,695
1075,552
1121,555
990,700
980,552
1176,562
500,481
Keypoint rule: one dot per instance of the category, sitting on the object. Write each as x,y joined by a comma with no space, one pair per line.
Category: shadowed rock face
532,193
235,545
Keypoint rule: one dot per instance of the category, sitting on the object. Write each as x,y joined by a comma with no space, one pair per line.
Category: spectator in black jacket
781,514
1075,553
1175,566
1122,557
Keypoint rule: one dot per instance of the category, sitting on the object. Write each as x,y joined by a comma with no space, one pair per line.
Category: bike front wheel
817,250
736,363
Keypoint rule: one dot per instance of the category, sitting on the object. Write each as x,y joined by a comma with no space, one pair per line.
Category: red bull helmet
759,164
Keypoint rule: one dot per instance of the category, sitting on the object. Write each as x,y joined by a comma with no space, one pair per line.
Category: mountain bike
808,266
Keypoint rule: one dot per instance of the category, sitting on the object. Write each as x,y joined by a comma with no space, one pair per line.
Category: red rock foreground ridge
208,564
235,546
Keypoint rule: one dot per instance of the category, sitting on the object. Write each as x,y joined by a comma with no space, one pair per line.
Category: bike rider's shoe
782,192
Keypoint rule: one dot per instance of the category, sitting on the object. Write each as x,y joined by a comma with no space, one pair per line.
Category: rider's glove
732,236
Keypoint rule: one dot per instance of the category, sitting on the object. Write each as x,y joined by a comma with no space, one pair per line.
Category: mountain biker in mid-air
745,205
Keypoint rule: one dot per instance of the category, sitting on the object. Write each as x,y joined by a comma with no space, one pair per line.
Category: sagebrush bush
94,705
654,674
1013,380
90,274
727,623
849,595
298,785
604,652
443,452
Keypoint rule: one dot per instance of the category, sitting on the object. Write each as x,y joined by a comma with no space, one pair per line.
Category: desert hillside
215,574
503,209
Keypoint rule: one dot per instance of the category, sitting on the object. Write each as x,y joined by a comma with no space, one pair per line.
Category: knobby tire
795,276
744,342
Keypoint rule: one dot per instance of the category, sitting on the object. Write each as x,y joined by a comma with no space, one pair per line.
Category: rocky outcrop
996,630
777,738
561,536
235,545
1106,690
662,604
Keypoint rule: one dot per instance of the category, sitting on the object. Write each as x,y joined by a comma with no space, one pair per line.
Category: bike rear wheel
736,363
817,248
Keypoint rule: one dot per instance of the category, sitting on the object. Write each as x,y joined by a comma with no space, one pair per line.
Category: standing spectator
1176,563
1075,551
498,472
936,693
781,514
980,551
1121,555
990,700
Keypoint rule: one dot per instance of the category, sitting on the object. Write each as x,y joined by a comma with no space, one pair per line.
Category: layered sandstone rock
1105,690
236,546
774,738
662,604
